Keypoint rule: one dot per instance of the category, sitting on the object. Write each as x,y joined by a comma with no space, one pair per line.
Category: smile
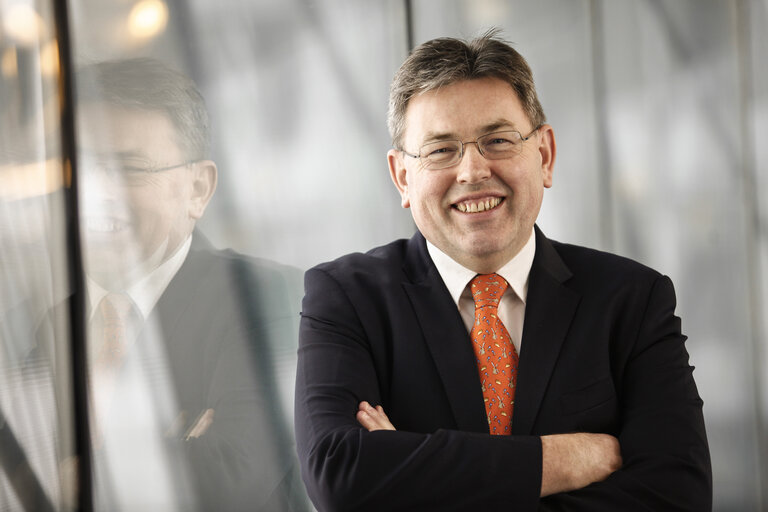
478,206
102,225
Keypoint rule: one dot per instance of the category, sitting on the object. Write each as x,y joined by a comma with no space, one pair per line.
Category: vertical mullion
408,5
74,259
752,216
604,156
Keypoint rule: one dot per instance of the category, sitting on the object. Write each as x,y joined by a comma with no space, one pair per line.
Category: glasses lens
501,144
438,155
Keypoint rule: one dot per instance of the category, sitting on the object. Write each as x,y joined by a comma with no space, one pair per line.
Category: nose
473,167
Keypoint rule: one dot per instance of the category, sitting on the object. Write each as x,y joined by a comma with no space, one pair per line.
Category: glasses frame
475,142
171,167
121,171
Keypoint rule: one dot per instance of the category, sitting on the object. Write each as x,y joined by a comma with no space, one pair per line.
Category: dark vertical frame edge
74,259
408,5
744,10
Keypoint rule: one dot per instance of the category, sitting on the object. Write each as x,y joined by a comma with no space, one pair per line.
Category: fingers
612,453
201,426
373,418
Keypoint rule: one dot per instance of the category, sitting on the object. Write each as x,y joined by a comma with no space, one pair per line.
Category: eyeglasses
493,146
134,168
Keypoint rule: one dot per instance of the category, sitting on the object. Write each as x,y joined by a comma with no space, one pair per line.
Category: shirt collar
146,291
456,276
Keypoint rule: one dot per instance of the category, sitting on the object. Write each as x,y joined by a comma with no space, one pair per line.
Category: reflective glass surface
225,147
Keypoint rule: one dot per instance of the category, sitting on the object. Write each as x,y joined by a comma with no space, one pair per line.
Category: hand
373,419
573,461
201,426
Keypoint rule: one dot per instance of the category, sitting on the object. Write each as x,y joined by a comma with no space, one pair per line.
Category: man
185,341
519,372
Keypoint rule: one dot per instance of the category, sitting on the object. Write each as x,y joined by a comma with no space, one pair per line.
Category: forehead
113,128
464,109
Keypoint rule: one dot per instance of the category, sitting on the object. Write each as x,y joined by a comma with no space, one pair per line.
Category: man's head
451,90
445,61
145,174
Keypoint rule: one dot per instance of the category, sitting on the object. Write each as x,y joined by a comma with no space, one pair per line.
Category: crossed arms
568,461
645,450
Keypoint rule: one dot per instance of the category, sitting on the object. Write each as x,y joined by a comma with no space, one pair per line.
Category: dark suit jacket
227,328
602,352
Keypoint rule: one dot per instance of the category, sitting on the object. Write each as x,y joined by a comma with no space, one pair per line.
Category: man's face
484,240
131,220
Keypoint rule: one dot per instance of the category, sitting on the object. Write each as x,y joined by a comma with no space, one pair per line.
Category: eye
500,140
133,169
439,150
134,166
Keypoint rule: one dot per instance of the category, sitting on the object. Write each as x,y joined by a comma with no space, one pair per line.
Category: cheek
431,190
153,204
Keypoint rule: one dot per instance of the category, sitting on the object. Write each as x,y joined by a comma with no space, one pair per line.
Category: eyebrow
131,154
498,124
487,128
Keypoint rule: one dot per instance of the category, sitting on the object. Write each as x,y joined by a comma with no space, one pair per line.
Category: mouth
478,205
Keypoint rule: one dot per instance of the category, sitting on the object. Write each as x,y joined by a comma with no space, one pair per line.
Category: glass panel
755,16
181,335
248,125
37,465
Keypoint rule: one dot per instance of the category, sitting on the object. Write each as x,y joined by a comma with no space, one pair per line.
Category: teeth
480,206
104,226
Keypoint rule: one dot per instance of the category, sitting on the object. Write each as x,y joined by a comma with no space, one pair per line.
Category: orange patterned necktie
116,317
113,329
495,354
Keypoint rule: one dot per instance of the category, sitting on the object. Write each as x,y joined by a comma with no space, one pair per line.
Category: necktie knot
117,317
115,307
487,290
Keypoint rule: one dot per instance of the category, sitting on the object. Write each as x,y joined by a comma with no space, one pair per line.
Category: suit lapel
446,336
171,310
550,307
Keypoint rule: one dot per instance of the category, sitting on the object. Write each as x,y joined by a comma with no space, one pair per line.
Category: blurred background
658,106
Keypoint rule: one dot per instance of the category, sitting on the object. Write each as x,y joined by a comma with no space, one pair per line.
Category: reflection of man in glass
184,340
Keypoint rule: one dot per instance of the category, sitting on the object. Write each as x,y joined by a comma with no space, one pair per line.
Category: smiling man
480,364
188,344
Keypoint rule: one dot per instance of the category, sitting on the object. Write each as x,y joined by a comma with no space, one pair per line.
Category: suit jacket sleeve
661,427
347,468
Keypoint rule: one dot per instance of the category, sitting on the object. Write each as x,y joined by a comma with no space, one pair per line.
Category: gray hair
149,84
445,61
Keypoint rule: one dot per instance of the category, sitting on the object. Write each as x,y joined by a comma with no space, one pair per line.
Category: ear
547,151
205,177
399,175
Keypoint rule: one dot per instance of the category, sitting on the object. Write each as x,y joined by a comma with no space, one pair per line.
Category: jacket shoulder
599,272
579,257
382,261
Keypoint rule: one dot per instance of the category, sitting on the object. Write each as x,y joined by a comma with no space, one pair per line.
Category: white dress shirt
146,291
512,306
